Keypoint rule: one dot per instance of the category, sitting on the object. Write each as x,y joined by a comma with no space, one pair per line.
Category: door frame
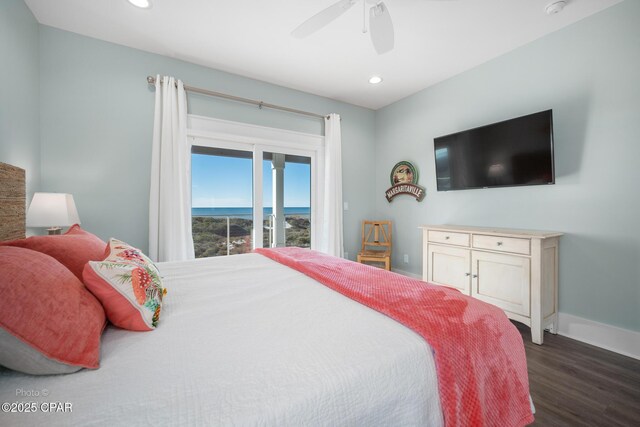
217,133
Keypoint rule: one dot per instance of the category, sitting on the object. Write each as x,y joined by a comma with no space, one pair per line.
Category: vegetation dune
210,235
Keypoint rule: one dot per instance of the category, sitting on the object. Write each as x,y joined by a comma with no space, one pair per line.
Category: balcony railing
219,235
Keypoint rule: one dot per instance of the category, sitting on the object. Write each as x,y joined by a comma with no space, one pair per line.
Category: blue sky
227,182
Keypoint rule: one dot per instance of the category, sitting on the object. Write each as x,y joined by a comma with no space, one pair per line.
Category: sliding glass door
249,195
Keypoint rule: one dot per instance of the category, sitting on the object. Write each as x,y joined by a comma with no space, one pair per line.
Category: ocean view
246,213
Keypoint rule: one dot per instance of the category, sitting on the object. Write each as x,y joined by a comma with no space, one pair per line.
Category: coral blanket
479,354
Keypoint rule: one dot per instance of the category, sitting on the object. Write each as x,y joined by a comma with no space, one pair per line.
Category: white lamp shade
52,210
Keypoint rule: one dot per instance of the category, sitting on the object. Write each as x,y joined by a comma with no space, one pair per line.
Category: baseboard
623,341
406,273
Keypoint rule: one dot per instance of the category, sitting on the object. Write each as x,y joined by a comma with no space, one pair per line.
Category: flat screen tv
509,153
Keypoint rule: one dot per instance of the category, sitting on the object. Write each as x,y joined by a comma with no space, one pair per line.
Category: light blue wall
19,97
97,121
589,74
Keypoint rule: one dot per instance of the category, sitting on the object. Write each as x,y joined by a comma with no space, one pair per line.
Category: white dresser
516,270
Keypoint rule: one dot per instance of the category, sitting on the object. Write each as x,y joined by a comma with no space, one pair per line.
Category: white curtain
330,223
170,236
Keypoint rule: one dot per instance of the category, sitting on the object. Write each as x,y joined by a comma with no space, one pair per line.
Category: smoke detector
555,7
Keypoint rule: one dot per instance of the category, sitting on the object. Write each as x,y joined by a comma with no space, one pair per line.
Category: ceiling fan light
142,4
374,80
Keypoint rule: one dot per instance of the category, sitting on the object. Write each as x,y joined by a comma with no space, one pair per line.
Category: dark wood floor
577,384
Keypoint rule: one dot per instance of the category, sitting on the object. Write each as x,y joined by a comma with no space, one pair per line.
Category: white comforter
244,340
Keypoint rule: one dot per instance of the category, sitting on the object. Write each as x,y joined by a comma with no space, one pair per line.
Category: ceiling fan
380,25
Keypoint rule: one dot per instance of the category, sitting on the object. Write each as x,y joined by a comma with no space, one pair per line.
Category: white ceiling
434,40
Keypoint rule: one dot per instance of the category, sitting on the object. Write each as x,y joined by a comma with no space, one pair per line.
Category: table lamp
53,210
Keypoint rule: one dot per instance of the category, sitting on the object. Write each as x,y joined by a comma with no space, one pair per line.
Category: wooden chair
376,243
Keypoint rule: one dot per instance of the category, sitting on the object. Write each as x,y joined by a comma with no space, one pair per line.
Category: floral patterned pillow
128,285
122,251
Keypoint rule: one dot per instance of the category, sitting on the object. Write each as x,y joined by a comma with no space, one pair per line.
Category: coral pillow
128,285
73,249
49,322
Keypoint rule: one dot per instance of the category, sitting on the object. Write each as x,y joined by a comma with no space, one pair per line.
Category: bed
244,340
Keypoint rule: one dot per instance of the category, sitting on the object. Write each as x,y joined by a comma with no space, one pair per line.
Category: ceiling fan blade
322,18
381,28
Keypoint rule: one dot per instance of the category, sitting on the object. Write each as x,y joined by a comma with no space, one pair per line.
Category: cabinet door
449,267
502,280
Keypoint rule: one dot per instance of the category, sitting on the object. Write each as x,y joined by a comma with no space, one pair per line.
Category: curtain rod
152,81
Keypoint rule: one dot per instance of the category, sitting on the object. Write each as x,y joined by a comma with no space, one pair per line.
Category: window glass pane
294,227
222,201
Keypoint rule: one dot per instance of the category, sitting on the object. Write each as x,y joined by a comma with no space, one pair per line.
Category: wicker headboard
12,202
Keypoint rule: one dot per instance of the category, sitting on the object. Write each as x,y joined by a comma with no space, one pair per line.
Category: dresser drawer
449,238
502,244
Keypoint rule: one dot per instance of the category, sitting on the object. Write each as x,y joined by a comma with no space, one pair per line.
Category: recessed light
143,4
374,80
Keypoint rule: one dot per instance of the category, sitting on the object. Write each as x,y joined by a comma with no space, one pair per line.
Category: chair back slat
376,234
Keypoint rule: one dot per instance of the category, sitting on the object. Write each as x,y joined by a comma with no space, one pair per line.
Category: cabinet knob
446,237
499,243
475,276
467,274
